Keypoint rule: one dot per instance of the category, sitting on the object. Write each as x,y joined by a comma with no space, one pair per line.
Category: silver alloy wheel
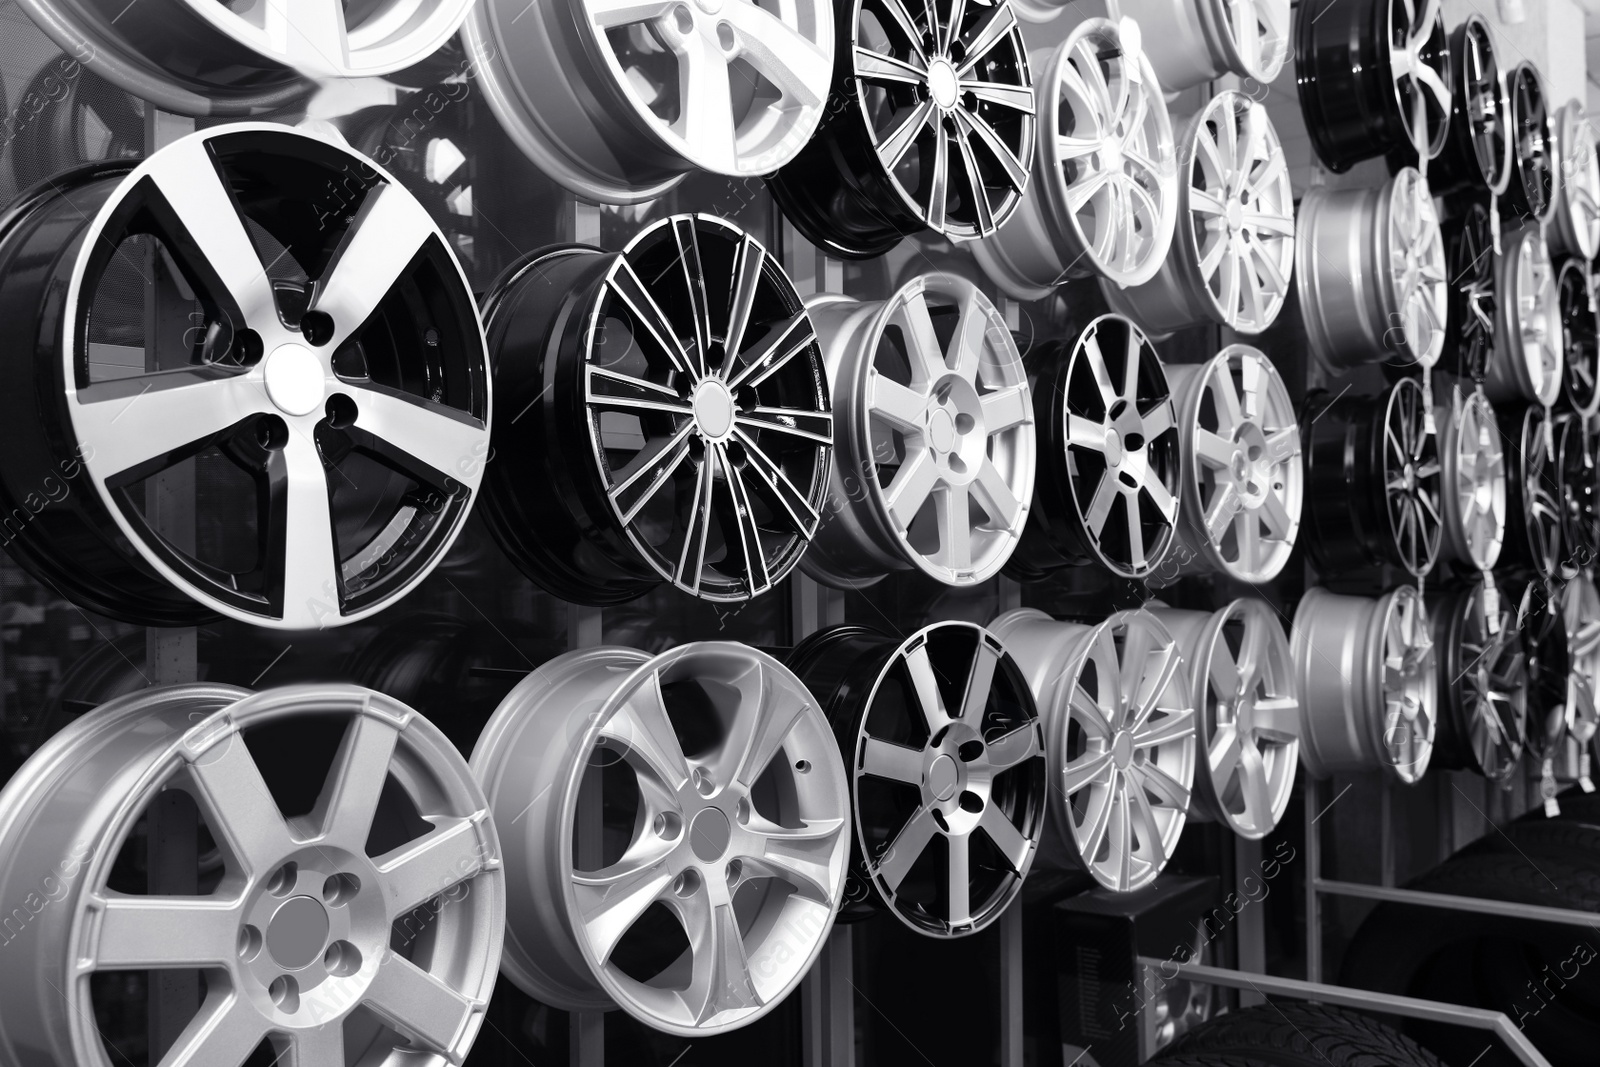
934,458
1580,612
300,927
1119,740
1370,270
704,780
1234,247
1483,681
1195,41
1368,690
1104,198
618,100
1577,218
1242,479
1243,681
1473,476
1529,359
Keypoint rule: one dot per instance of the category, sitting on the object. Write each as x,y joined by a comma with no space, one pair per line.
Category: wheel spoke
980,680
1010,749
154,932
642,727
721,974
1016,97
792,338
606,14
1169,727
995,495
1144,819
223,1033
910,488
1278,718
958,880
801,858
1094,768
303,521
781,53
774,483
376,252
706,118
926,684
1213,450
311,33
1165,787
1006,408
885,759
243,816
425,437
894,146
149,423
906,848
953,512
451,853
1016,173
877,67
766,719
648,316
419,1005
652,469
611,900
349,799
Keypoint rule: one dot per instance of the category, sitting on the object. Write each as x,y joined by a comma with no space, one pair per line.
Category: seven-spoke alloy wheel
1483,681
1527,361
1473,482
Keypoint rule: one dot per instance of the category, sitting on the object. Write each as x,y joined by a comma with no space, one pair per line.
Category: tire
1219,1060
1293,1034
1576,806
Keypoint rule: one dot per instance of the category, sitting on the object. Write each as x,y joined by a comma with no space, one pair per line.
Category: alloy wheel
1477,150
1560,702
1580,614
1579,487
1580,337
1471,318
1483,681
1577,217
1533,191
1527,361
1473,477
1194,42
1534,505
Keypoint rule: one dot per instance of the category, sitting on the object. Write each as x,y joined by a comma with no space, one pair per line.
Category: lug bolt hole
803,766
247,348
687,884
317,327
702,782
742,811
970,751
971,802
725,36
965,423
342,412
340,890
683,18
735,870
271,432
284,879
249,943
1133,442
285,993
342,959
668,825
958,464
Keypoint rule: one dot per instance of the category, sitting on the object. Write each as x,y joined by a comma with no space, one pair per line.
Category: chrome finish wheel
366,930
1374,493
1370,267
1527,363
1374,77
682,833
1470,317
1243,682
618,100
1477,149
930,126
1533,191
1368,690
199,57
1108,490
1580,493
1195,41
1105,176
1235,231
1580,336
1533,493
1483,682
686,368
333,415
1473,476
1580,615
935,458
1242,475
946,756
1577,217
1120,743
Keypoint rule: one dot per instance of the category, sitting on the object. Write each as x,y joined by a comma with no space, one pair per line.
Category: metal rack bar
1500,908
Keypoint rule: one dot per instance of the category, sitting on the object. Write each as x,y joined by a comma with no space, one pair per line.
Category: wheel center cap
709,834
298,932
1122,750
713,409
942,778
941,430
1113,447
1235,215
943,85
294,380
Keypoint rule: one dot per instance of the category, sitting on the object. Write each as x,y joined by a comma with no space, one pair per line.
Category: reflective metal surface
1473,482
1195,41
1483,681
1577,216
1528,355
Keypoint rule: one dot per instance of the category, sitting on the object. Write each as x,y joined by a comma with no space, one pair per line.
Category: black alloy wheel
1483,681
1477,151
1470,307
1531,193
1580,335
1534,505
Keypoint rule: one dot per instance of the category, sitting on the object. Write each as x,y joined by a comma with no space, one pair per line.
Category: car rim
1370,267
618,99
1242,678
1580,334
1199,42
939,455
1374,471
1477,151
942,107
1580,516
947,714
1483,682
1474,475
1555,695
689,366
1470,306
1577,229
1119,739
1527,362
1106,184
667,801
1242,476
1235,228
88,119
1533,493
1580,614
1383,717
305,921
335,422
1109,493
1532,191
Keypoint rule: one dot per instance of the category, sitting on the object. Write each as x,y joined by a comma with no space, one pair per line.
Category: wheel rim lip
1527,265
1571,280
1406,194
1580,170
1435,42
1220,13
1474,413
470,479
1474,35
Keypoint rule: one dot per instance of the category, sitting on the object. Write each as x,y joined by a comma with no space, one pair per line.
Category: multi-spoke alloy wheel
1560,703
930,126
1580,615
367,929
1243,682
1483,681
1580,339
200,57
1241,470
1119,734
1470,318
1577,219
934,462
673,418
1368,690
1579,488
1374,77
1473,482
1374,495
332,415
1477,150
1105,170
1533,189
1108,486
946,757
1195,41
1533,492
618,100
1527,362
1370,268
1235,234
682,832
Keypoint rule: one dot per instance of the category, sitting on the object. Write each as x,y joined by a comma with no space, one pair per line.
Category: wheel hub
1122,750
298,932
943,85
713,409
1113,446
295,380
943,777
956,432
1235,217
710,834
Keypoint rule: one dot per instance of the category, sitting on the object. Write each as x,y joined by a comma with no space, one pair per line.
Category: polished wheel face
1474,482
333,416
1483,682
1119,739
618,99
934,463
1235,230
1533,493
947,758
1477,151
682,833
688,367
1471,318
1527,361
366,930
1533,191
1580,613
1580,335
930,127
1580,493
1577,217
1193,42
1242,678
1367,683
